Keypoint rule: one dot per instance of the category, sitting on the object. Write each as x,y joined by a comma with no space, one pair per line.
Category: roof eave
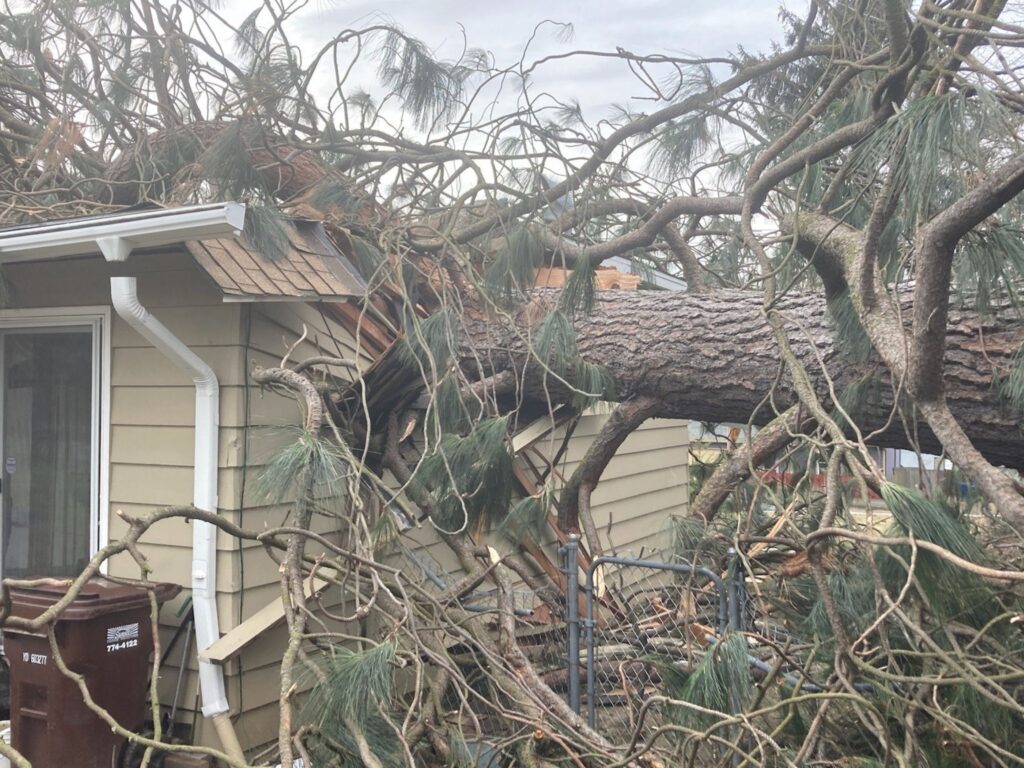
137,229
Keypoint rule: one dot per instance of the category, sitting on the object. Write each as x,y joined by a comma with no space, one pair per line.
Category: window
51,442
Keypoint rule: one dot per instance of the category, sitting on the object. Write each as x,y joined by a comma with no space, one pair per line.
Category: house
126,346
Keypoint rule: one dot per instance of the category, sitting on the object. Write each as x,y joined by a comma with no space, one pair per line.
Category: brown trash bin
105,635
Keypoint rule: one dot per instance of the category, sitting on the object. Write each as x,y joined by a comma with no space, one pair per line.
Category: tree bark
712,358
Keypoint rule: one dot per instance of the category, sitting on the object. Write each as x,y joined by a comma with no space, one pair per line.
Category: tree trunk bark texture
713,357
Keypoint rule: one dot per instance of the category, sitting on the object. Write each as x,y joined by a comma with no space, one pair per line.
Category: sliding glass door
47,448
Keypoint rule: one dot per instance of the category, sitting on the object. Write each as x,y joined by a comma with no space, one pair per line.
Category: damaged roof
311,268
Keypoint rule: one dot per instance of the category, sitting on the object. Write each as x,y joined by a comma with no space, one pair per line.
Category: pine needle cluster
948,590
469,476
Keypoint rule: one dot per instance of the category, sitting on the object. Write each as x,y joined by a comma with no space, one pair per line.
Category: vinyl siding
644,485
269,331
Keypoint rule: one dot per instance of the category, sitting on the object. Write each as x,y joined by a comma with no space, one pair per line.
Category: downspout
125,300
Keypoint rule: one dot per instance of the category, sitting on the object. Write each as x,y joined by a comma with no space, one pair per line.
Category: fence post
572,618
736,590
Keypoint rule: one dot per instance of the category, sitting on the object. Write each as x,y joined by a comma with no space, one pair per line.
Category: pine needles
429,88
554,344
326,464
720,682
1011,386
580,291
228,162
430,341
370,260
349,704
469,476
266,229
929,145
527,517
850,335
510,273
354,683
853,594
679,144
948,590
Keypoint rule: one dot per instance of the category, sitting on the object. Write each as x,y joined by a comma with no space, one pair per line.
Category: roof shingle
313,268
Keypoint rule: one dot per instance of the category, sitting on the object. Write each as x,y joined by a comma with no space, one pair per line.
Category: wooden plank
362,323
235,640
539,428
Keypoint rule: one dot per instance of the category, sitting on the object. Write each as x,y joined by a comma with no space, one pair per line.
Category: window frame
98,320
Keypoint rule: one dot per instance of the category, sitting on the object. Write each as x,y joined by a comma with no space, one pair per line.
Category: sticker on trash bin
11,465
33,658
122,637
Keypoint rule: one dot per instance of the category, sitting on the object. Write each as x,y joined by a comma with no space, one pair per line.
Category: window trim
98,319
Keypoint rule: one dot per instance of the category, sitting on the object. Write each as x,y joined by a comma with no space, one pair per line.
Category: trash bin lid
100,596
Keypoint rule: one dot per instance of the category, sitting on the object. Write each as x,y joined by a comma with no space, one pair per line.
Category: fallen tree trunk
712,357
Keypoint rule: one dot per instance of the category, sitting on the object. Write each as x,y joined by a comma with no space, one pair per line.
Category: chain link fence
636,627
628,629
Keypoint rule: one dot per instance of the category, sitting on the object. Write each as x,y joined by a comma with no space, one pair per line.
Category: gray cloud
675,27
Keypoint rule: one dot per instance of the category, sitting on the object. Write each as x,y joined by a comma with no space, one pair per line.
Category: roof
312,268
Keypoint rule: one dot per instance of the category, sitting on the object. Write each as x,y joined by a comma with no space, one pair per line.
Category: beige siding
152,408
644,484
271,331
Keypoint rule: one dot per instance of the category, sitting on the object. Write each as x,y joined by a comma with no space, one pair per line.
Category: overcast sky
680,27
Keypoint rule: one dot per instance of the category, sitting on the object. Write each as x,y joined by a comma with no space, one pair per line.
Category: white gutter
133,230
125,298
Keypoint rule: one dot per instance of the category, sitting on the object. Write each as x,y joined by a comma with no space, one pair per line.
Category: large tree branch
890,338
738,465
994,484
683,253
642,125
575,499
713,357
933,263
647,232
979,21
